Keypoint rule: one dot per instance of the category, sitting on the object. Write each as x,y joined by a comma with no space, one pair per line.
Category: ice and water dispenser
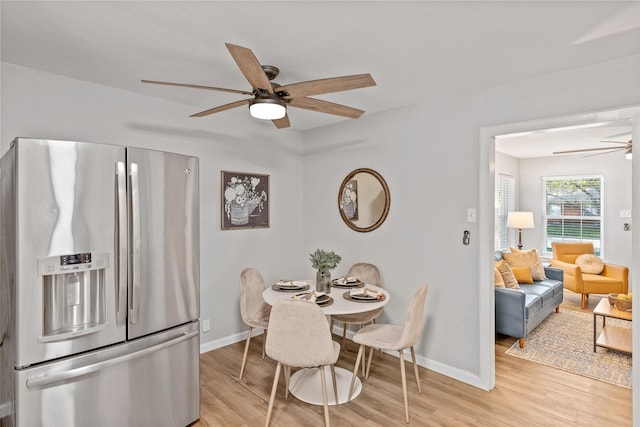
73,294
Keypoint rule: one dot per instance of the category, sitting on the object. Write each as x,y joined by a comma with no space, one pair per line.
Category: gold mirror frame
380,198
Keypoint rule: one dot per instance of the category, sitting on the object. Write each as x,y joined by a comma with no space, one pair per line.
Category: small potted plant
324,261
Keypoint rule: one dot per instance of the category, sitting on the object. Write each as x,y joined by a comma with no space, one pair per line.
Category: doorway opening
486,236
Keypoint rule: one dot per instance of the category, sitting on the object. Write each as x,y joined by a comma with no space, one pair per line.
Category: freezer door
68,290
153,381
164,241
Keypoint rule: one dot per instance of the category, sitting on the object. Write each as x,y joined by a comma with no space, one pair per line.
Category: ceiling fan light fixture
267,108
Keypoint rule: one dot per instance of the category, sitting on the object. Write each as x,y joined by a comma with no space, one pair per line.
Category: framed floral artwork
245,200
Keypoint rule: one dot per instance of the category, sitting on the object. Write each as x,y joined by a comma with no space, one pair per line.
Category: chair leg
583,303
246,351
287,376
364,354
366,377
521,342
324,397
355,371
335,383
404,386
344,334
415,369
264,342
273,393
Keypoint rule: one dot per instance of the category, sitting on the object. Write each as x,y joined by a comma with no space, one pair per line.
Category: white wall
41,105
428,154
616,173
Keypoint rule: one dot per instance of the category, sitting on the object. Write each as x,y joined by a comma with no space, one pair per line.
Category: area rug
565,341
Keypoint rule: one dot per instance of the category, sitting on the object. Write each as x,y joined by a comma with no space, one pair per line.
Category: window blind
505,202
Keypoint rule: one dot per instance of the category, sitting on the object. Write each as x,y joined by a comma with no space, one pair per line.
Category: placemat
347,296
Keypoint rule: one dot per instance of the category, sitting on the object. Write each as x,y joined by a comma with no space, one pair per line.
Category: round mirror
363,200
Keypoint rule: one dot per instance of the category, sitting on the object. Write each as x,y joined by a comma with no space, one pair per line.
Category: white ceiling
546,142
414,50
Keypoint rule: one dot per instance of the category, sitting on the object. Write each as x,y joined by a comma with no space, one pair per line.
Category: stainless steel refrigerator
99,286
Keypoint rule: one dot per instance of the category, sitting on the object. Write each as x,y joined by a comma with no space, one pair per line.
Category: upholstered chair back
368,273
569,251
253,309
299,334
414,319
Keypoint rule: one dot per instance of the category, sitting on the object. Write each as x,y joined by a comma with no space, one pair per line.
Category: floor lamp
520,220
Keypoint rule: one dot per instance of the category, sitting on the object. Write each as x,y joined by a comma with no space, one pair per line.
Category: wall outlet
625,213
206,326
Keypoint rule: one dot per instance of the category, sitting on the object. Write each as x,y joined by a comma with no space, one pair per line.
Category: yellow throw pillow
497,278
507,275
590,264
531,259
523,275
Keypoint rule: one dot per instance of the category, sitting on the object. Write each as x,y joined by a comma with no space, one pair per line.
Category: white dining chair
369,274
254,311
394,337
299,337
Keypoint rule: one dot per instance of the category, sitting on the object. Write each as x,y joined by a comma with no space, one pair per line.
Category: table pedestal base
306,385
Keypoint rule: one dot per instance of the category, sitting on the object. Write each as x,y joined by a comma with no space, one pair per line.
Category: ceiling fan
269,100
622,146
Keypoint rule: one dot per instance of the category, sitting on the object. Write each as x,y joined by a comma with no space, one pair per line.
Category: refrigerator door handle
47,380
121,243
135,242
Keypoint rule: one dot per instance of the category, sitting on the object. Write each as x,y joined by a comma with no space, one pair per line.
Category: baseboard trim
441,368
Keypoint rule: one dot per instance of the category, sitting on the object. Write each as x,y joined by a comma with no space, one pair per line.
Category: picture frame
244,200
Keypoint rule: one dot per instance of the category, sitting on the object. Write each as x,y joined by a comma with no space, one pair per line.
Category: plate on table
347,282
290,286
363,297
322,299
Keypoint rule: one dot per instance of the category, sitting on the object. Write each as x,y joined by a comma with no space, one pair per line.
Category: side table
613,337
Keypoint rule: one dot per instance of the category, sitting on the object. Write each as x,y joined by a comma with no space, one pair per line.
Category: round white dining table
305,383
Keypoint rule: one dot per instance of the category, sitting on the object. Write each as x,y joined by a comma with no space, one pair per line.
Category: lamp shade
520,220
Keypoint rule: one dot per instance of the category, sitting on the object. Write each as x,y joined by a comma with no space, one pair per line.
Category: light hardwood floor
526,394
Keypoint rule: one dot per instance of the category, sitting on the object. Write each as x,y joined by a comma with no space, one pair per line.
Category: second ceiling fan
622,146
269,100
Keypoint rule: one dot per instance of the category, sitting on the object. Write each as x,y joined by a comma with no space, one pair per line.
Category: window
573,210
505,203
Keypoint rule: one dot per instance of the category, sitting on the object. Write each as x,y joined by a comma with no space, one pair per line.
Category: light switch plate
471,215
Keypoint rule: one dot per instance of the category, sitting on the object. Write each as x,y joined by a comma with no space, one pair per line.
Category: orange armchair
613,279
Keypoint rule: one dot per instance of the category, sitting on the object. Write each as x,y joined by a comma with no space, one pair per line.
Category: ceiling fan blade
325,107
588,149
618,142
242,92
333,84
222,108
250,67
282,123
611,150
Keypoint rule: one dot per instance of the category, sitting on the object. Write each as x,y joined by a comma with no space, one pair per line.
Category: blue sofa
519,311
